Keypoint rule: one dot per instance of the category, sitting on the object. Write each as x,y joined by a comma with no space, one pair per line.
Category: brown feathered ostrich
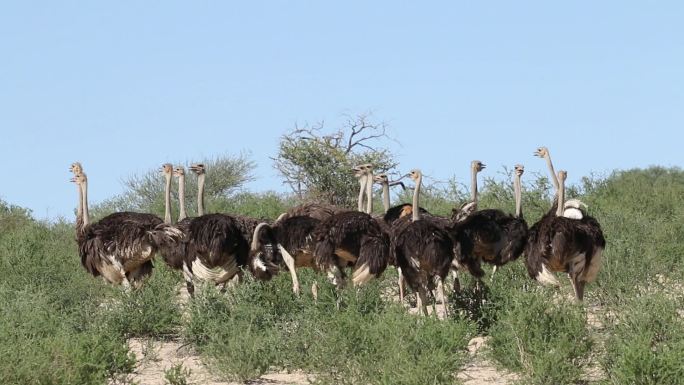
354,239
296,239
422,248
491,235
560,244
120,246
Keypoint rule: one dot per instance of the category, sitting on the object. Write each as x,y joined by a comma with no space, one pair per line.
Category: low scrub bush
352,336
646,342
544,340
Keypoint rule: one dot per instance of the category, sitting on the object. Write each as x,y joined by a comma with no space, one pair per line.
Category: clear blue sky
125,86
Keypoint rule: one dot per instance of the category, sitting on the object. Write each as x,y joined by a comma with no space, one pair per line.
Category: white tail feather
573,213
362,275
546,277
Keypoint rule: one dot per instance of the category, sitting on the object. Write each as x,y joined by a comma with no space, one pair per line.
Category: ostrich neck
518,197
369,192
362,191
416,211
181,198
86,216
473,186
200,195
554,179
167,200
79,208
561,198
385,196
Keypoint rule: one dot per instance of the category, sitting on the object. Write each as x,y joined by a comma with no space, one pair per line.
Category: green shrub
546,341
646,342
53,329
354,336
150,311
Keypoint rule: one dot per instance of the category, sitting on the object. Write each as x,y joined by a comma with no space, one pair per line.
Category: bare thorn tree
316,164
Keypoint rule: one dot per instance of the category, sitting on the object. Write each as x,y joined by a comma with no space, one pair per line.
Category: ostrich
120,246
423,249
391,214
218,245
360,173
491,235
295,244
296,239
352,238
560,244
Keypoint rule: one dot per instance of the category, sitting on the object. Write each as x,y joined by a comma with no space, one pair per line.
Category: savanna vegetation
58,325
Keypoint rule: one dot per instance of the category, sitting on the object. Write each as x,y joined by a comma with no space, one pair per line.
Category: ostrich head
519,169
179,171
76,168
264,257
361,170
415,175
166,169
358,171
381,179
542,152
562,175
198,168
477,165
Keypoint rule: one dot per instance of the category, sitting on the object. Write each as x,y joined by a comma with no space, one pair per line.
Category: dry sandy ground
155,357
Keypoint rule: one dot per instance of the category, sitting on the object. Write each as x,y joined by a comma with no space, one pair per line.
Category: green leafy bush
546,341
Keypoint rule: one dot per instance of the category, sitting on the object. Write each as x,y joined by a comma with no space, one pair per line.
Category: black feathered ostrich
560,244
491,235
391,214
423,249
119,247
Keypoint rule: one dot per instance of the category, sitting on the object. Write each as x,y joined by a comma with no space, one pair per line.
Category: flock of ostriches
424,247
